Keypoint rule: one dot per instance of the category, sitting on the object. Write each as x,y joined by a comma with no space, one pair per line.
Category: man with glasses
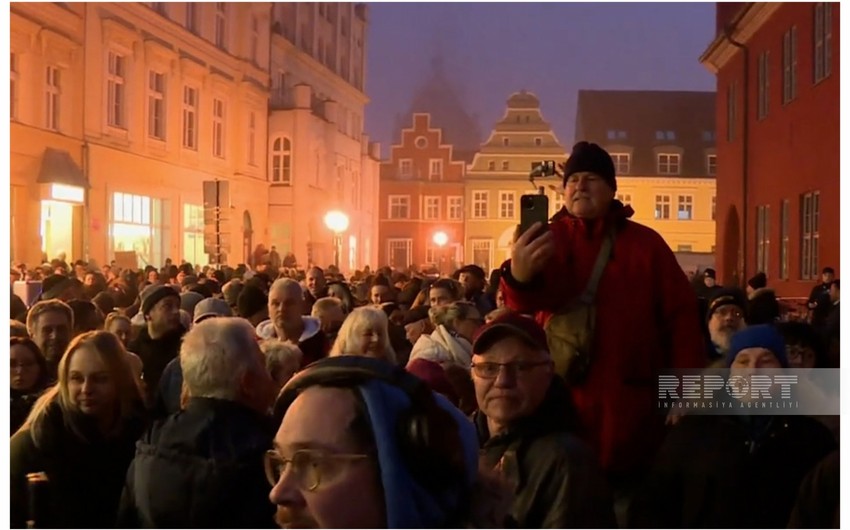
525,430
725,318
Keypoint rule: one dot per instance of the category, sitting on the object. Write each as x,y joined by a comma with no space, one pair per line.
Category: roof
631,120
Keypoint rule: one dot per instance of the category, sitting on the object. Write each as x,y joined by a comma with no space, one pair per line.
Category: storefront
62,195
139,224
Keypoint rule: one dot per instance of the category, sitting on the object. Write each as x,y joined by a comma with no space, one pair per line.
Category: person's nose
506,378
87,386
286,492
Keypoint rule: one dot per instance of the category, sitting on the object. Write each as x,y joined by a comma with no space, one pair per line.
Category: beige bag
570,331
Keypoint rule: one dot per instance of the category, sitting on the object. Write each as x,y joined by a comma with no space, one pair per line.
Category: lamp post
440,239
337,222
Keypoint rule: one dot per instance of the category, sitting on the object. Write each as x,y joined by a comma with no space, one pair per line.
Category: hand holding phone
533,209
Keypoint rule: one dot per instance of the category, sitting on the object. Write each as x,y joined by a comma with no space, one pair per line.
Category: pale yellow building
499,175
319,158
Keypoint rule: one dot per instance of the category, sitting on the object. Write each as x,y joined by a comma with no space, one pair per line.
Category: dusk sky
553,50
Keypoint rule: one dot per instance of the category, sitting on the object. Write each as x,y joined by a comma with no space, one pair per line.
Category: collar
617,214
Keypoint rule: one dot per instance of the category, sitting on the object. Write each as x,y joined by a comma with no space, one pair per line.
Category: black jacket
20,408
819,304
557,478
201,468
155,355
762,307
729,472
818,500
85,475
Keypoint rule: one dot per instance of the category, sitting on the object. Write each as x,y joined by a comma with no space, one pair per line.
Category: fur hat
590,157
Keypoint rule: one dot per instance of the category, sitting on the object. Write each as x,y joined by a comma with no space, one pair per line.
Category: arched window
282,161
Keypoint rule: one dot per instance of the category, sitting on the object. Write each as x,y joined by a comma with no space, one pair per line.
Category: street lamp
440,239
337,222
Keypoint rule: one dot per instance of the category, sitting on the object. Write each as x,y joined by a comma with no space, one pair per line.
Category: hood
618,213
443,347
312,326
763,292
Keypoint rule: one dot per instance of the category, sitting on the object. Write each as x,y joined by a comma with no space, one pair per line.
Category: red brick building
777,67
421,194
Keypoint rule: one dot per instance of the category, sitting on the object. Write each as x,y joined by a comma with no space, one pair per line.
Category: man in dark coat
203,466
818,303
524,429
763,307
472,278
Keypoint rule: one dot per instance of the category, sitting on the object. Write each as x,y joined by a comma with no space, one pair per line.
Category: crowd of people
264,396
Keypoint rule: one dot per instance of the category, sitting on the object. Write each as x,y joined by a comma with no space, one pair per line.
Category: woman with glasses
28,377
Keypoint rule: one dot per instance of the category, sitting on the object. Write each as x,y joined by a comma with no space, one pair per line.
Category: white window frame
398,206
281,161
622,163
116,89
784,238
435,168
763,107
405,167
482,245
190,117
507,204
669,163
252,138
480,204
157,114
52,97
809,235
455,206
763,237
789,65
662,207
685,208
221,25
219,115
711,164
404,243
431,207
822,41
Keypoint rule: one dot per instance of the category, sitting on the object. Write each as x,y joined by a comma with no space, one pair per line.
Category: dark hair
447,284
798,333
43,372
828,270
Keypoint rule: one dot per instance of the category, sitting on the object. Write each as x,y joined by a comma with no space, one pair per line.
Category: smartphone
533,209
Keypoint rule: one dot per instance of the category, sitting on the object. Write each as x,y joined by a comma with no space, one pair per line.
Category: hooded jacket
312,343
557,478
647,320
443,347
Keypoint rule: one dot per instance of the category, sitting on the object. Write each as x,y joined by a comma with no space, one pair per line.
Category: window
252,134
193,234
156,105
668,164
506,142
192,17
115,94
662,207
557,203
763,86
665,135
711,164
399,206
505,165
686,208
612,134
507,199
622,163
282,161
684,248
405,166
139,224
436,168
400,252
809,235
731,110
431,254
714,208
421,142
762,237
707,136
53,94
432,208
218,128
221,25
491,165
789,65
455,208
538,142
190,117
823,41
625,198
13,85
255,38
482,250
784,239
480,203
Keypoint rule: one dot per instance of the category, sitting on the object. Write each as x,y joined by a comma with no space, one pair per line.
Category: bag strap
589,293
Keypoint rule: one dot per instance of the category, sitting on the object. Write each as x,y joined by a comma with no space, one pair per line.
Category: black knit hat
251,301
153,294
759,281
724,297
592,158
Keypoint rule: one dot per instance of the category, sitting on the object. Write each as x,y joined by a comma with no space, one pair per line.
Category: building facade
421,195
319,159
777,68
663,146
499,176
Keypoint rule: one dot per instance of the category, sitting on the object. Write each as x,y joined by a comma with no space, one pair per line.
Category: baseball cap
211,307
512,324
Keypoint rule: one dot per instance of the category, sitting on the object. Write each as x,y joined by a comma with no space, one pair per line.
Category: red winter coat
647,320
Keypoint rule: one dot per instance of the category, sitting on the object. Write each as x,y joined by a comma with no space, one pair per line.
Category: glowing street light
440,239
336,221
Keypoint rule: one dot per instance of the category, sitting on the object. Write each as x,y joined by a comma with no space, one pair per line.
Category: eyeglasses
309,467
488,370
724,312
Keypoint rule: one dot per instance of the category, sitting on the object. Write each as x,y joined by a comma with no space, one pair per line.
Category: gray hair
278,353
323,304
216,354
287,284
448,314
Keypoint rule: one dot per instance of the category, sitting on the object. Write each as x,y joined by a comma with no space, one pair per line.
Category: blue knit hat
763,336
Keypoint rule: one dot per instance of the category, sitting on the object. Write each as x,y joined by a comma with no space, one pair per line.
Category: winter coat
201,468
155,355
556,477
20,408
313,344
85,475
167,399
762,307
443,347
819,304
646,321
818,498
729,472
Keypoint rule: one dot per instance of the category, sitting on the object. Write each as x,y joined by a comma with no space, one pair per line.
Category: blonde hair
357,320
448,314
324,304
114,356
114,317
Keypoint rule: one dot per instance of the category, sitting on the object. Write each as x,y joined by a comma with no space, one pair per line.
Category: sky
550,49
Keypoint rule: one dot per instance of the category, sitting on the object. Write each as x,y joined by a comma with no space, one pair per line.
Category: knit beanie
762,336
153,294
189,300
590,157
759,281
251,301
722,297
